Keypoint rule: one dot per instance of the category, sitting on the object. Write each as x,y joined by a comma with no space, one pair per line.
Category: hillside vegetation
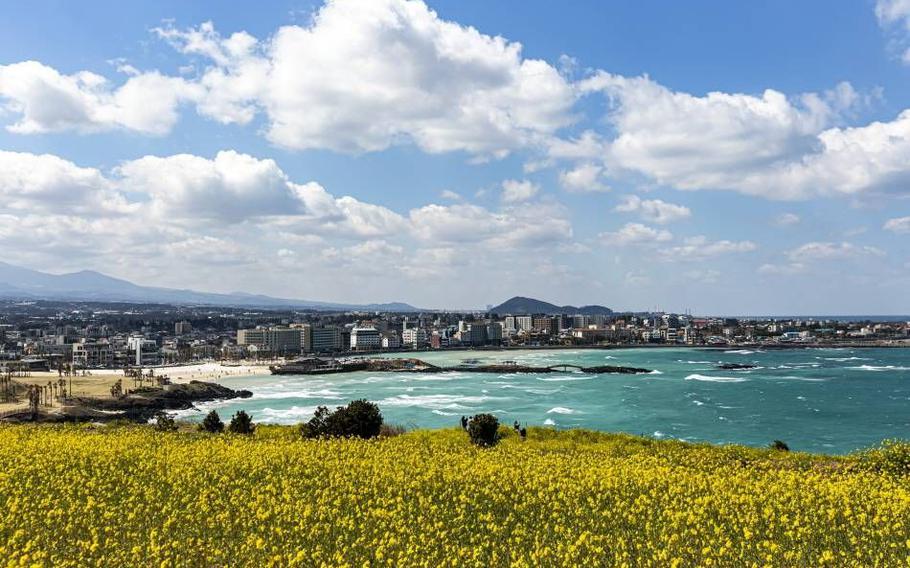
132,496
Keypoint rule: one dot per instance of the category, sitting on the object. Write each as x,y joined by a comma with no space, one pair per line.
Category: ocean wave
740,352
549,422
806,379
444,413
844,359
322,393
285,415
698,403
655,372
879,368
437,401
559,379
709,379
695,362
561,410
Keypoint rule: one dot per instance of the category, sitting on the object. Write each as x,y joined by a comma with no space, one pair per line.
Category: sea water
822,400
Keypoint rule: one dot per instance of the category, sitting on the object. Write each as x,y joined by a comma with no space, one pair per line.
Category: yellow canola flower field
131,496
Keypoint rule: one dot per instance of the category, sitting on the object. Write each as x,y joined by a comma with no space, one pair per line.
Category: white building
143,352
365,339
415,338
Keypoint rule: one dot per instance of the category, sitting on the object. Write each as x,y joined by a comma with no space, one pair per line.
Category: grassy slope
132,496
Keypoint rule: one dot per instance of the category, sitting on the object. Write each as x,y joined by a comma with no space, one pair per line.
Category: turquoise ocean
821,400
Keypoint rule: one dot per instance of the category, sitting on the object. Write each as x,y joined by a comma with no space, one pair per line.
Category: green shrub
164,423
483,430
242,423
212,423
779,445
359,419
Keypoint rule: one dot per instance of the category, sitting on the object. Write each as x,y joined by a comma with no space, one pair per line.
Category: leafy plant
359,419
483,430
212,423
242,423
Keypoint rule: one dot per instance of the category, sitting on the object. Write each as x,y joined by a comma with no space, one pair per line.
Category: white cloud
47,183
782,269
699,248
654,210
787,219
365,75
231,186
900,225
47,101
769,145
514,191
524,225
636,233
815,251
896,14
450,195
583,178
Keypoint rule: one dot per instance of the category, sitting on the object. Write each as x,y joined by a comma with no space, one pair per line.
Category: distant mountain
525,306
89,286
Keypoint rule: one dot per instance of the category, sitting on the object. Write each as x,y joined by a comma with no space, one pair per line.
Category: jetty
319,366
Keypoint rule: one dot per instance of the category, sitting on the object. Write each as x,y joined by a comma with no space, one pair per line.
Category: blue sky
727,158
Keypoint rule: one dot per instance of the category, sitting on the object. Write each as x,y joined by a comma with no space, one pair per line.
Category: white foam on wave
739,352
709,379
561,410
285,415
559,379
549,422
655,372
843,359
879,368
437,401
806,379
698,403
321,393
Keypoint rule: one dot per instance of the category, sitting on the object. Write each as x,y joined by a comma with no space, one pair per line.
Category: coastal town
82,338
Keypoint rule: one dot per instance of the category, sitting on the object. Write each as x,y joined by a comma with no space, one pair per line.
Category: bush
779,445
241,423
483,430
359,419
164,423
212,423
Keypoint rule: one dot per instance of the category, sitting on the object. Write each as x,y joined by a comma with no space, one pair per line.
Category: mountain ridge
17,282
521,305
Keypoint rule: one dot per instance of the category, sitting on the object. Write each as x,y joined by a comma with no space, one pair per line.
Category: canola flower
131,496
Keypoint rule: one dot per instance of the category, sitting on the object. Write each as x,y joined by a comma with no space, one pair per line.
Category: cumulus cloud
636,234
722,140
654,210
365,75
514,191
524,225
46,100
584,178
900,225
47,183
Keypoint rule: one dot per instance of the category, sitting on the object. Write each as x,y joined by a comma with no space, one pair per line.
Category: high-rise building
271,339
326,339
365,339
182,328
